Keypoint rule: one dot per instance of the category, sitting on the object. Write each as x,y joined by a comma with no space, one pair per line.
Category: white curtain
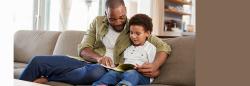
60,15
65,6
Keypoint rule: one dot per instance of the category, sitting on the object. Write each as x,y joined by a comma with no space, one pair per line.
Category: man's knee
96,68
96,71
36,59
92,73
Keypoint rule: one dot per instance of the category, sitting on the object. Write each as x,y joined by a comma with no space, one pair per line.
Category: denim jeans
130,78
62,69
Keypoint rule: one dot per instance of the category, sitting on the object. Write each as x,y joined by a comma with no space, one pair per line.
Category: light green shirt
99,28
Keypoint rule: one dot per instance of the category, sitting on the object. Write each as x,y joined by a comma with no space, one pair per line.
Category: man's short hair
142,20
114,3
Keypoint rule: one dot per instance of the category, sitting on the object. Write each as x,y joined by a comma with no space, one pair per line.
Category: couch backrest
29,43
67,43
179,68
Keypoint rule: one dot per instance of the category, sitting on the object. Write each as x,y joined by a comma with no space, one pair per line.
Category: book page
121,67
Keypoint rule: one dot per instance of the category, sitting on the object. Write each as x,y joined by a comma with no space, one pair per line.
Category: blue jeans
62,69
130,78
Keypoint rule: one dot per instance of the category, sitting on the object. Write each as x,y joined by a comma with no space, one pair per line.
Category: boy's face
138,35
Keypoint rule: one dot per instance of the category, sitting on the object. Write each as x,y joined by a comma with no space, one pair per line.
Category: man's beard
118,28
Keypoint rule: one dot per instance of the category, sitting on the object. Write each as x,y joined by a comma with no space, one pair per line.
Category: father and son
112,40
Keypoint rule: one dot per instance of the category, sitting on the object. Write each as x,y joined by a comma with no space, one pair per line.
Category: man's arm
94,57
153,69
85,49
162,51
161,58
90,55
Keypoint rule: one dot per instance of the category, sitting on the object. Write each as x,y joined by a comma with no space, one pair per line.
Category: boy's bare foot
41,80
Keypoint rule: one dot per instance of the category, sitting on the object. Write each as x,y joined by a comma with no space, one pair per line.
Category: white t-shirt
140,54
109,41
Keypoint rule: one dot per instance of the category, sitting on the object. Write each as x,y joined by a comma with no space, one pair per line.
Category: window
23,14
74,15
131,6
82,14
54,15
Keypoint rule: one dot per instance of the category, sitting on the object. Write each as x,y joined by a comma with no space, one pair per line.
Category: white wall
6,44
132,6
145,6
157,16
193,21
153,8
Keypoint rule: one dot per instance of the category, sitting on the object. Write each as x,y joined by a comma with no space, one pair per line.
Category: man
107,38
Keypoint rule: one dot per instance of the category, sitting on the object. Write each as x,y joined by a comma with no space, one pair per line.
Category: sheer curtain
65,7
73,14
82,14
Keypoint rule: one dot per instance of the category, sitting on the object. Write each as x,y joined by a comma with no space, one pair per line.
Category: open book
121,67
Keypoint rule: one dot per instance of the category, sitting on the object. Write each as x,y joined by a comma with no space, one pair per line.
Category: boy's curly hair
142,20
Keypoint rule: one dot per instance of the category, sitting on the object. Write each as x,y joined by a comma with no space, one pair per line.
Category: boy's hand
106,61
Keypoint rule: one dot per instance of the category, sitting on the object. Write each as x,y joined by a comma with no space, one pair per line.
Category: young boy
138,53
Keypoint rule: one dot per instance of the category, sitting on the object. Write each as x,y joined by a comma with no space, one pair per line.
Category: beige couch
178,70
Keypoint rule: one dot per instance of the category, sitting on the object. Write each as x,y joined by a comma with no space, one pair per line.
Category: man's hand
149,70
105,61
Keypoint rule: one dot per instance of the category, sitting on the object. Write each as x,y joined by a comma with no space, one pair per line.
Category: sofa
178,70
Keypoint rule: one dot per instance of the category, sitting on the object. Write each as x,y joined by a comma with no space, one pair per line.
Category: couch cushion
19,65
67,43
179,68
156,85
17,72
18,68
29,43
53,83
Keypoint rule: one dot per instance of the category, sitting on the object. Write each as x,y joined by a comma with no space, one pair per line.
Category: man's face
117,17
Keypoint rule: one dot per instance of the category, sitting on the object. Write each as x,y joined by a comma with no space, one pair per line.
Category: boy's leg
110,78
52,68
133,78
